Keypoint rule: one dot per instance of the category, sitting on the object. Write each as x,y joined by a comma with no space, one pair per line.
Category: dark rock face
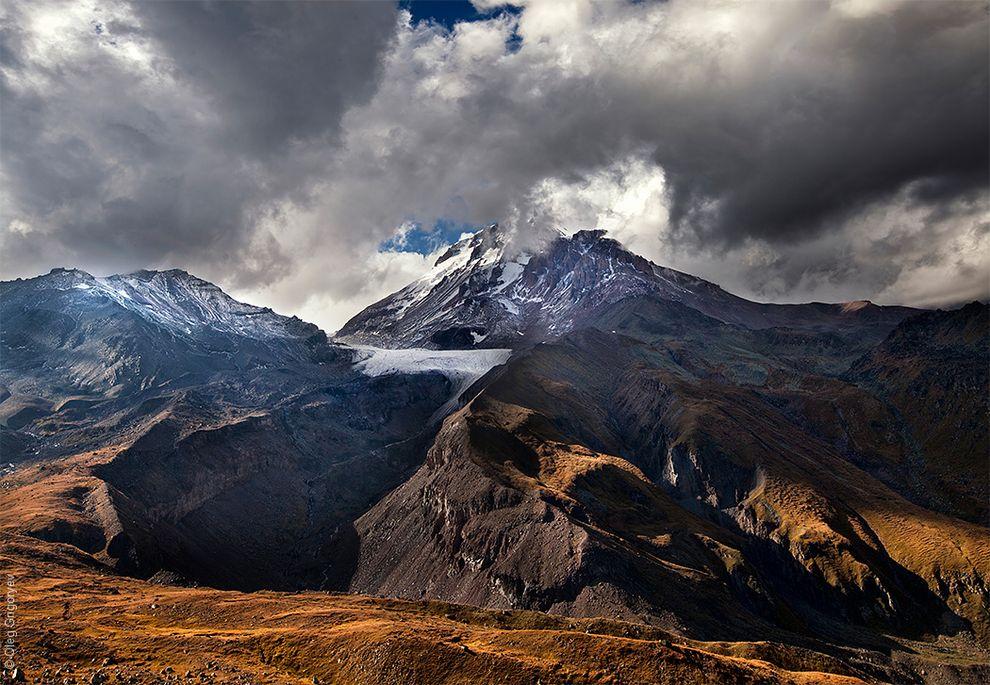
244,497
267,501
222,443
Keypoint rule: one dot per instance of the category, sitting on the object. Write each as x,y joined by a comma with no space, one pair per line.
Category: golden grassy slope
76,621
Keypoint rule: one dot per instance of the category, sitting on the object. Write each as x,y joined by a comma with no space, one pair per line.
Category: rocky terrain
931,373
678,481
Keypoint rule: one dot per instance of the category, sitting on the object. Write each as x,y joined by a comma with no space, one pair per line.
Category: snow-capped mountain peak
504,288
136,330
496,287
174,300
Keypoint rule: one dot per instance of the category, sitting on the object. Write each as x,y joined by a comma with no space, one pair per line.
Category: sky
314,156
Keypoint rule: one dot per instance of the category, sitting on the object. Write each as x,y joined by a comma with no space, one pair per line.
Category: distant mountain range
553,424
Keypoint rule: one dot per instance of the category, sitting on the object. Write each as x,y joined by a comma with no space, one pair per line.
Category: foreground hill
79,625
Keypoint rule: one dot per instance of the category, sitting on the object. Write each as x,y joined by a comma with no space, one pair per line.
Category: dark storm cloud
774,121
779,125
278,71
876,103
168,132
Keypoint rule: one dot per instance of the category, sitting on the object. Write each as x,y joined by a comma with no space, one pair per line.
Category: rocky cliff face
244,497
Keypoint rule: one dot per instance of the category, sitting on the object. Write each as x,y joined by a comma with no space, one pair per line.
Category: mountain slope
657,447
72,333
932,370
489,291
598,476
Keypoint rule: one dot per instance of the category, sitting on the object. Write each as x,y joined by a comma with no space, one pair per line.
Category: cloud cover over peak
788,151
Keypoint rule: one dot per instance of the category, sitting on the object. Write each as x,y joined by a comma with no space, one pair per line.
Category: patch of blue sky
450,12
418,238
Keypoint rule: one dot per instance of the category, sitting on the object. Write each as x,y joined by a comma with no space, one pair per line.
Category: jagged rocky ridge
653,449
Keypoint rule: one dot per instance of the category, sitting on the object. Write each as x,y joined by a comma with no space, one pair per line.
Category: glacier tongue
455,364
461,367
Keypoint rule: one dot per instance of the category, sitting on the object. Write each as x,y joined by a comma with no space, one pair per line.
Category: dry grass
76,620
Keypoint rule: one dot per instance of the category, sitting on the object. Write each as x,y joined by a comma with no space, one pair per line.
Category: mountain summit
127,331
491,289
